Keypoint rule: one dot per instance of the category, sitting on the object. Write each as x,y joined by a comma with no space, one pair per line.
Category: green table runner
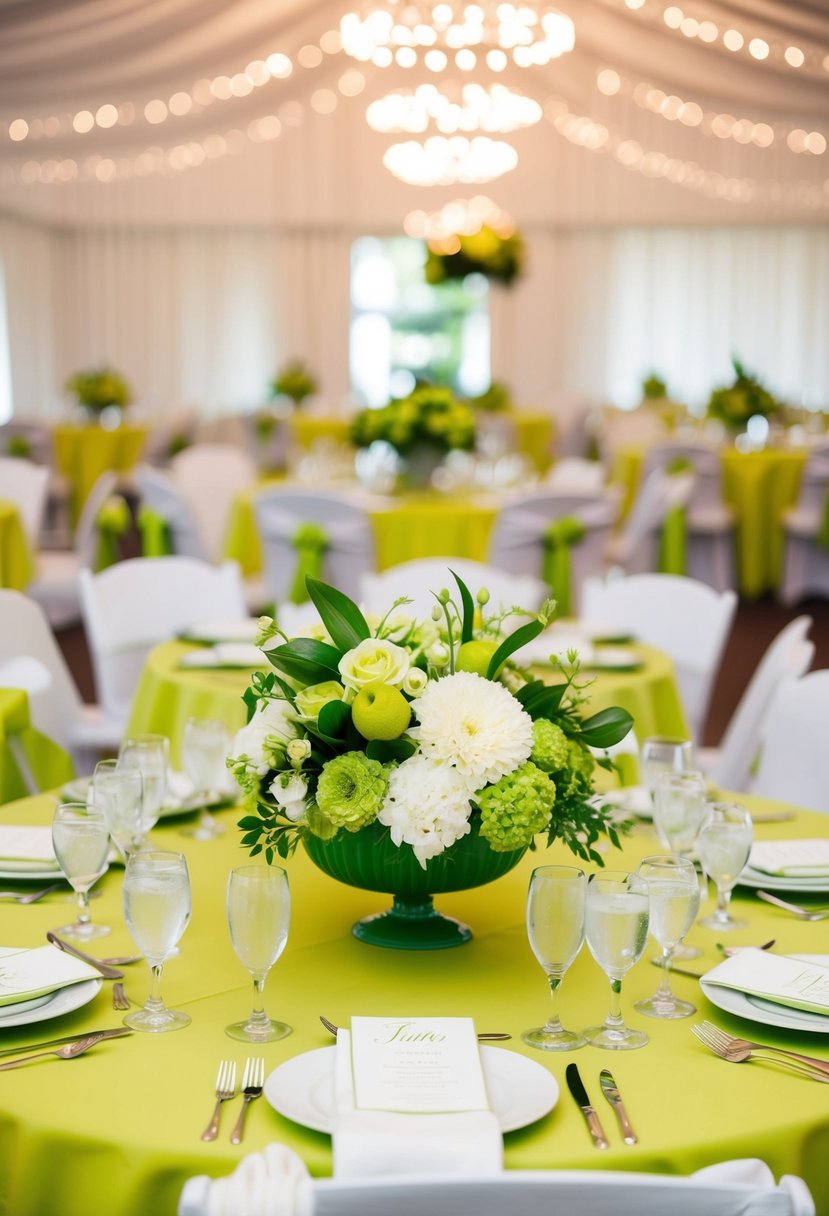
22,745
17,565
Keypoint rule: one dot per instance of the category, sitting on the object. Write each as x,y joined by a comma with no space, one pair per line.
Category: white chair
136,604
209,476
788,655
686,619
806,566
419,578
31,659
26,485
575,475
636,547
350,553
794,758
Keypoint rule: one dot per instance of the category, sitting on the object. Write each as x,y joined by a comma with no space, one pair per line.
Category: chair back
702,460
794,760
132,606
31,659
814,486
160,495
268,439
350,551
86,533
26,485
417,580
575,475
208,476
177,429
683,617
639,540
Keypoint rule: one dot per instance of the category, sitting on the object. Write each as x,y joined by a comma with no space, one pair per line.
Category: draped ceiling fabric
151,271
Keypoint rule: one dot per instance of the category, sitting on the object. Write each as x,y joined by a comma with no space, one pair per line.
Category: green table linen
21,744
17,564
83,453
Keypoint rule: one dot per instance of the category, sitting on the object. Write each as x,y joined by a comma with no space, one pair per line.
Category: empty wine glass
80,838
555,926
673,899
616,927
663,755
724,845
150,754
203,753
258,914
157,909
119,792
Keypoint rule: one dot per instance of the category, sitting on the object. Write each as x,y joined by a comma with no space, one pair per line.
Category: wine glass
157,909
80,838
204,750
679,809
150,754
119,792
258,914
663,755
616,927
555,926
673,899
724,845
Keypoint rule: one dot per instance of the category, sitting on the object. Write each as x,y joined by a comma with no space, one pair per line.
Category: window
403,328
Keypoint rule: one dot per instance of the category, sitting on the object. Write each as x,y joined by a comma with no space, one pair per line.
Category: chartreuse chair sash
112,522
156,535
29,761
310,540
557,568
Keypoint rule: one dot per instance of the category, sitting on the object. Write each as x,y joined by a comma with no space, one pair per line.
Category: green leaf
334,719
468,608
340,615
307,660
541,700
393,749
607,727
250,698
249,822
509,646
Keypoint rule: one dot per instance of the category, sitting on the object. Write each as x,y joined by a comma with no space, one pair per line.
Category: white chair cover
806,568
636,548
575,475
268,452
794,758
208,476
26,485
159,493
417,580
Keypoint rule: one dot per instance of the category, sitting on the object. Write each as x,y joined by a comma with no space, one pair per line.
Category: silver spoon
484,1038
68,1052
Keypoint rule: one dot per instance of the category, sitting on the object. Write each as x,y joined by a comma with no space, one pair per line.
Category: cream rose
374,661
309,701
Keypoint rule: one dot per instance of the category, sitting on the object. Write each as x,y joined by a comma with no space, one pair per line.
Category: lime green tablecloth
118,1133
168,695
17,567
83,453
20,743
759,486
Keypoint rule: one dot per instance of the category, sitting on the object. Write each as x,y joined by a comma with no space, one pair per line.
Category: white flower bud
299,750
438,655
415,682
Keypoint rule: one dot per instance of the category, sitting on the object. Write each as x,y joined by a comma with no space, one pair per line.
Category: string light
473,108
461,217
445,162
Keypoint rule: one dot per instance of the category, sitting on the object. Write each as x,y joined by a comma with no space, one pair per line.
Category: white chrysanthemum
426,806
475,725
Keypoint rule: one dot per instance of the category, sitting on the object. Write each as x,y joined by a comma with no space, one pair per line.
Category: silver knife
69,1038
611,1092
576,1087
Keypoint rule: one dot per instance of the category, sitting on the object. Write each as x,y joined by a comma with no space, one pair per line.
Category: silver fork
736,1047
33,896
120,1000
796,910
704,1036
225,1090
252,1083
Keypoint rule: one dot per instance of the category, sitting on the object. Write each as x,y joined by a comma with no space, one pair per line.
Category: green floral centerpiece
735,404
295,381
415,756
496,400
497,256
96,389
422,428
654,388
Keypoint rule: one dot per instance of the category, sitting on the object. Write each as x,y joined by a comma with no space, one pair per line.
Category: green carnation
516,808
351,790
551,747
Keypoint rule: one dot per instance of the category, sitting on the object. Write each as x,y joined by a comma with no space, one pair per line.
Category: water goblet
679,809
555,927
80,838
157,909
616,927
150,754
664,755
258,915
724,845
204,750
119,792
673,900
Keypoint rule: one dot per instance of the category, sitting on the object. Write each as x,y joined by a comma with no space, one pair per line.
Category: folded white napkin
274,1182
371,1143
774,977
26,848
791,858
25,974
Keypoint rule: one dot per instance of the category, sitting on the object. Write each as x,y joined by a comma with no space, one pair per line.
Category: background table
83,453
118,1131
17,566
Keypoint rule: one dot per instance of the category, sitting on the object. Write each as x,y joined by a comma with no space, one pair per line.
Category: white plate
222,631
182,801
56,875
775,882
632,799
9,1011
65,1000
767,1013
520,1090
612,658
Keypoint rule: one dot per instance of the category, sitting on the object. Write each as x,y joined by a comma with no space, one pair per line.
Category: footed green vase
369,859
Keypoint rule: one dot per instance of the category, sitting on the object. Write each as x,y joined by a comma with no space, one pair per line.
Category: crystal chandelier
453,109
439,161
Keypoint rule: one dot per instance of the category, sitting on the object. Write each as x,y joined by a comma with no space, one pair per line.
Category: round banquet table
17,566
168,695
760,486
118,1131
83,453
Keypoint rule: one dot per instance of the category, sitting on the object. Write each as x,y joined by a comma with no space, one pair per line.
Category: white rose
273,725
288,791
374,661
299,750
415,682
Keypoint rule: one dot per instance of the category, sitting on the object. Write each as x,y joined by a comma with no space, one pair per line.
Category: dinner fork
740,1049
796,910
33,896
704,1036
225,1090
252,1082
120,1000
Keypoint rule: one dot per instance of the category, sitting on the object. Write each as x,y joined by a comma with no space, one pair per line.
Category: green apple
475,656
380,712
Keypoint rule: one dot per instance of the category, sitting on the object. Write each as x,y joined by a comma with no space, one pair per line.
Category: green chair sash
156,537
26,755
310,541
112,522
673,548
557,567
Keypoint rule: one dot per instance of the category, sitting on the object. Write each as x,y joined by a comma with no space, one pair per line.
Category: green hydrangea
551,747
516,808
580,759
351,790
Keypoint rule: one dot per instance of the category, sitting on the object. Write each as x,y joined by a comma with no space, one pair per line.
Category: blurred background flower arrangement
99,388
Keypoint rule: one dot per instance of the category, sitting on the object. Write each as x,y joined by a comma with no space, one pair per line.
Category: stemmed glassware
725,840
80,838
616,927
157,910
258,914
664,755
203,753
119,793
679,809
555,926
150,754
673,899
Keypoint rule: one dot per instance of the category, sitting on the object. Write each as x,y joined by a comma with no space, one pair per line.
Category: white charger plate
768,1013
65,1000
520,1090
776,882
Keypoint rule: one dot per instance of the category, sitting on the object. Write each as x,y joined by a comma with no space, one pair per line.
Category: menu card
25,974
791,858
416,1065
775,977
26,848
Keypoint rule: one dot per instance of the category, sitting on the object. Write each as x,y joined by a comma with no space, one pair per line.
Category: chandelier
439,161
406,31
453,109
